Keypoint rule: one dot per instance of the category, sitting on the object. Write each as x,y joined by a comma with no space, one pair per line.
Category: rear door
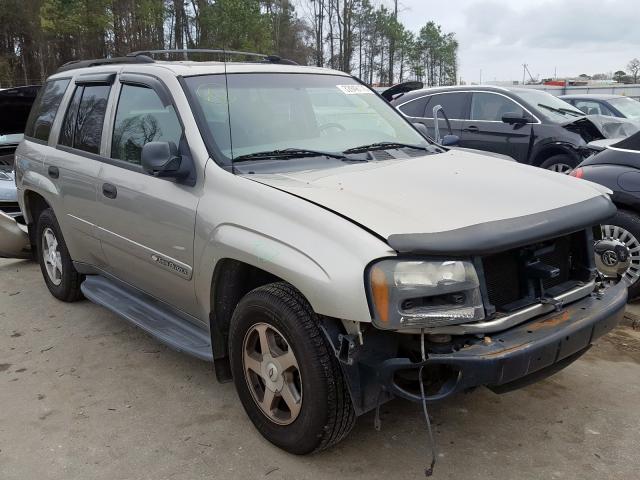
485,129
455,105
147,222
74,166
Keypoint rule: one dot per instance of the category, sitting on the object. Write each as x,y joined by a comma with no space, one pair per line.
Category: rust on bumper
523,354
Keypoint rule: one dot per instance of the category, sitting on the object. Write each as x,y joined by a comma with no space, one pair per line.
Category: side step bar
150,315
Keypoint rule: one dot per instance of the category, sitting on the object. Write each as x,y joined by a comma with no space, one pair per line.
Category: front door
147,223
485,129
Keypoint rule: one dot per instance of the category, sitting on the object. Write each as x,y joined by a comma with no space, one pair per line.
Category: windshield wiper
383,146
562,111
287,154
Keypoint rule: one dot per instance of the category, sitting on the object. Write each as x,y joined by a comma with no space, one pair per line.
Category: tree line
361,37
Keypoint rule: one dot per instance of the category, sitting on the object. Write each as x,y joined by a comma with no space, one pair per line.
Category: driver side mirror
161,159
450,140
513,118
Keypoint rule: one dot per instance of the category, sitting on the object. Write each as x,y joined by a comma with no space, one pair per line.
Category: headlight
423,294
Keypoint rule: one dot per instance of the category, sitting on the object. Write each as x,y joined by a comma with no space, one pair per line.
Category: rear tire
560,163
323,414
60,276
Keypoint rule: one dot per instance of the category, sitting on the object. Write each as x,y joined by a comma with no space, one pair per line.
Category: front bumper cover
14,238
522,354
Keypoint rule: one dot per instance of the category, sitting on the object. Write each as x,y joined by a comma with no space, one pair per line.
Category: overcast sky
498,36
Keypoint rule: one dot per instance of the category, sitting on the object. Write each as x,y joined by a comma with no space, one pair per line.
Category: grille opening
509,288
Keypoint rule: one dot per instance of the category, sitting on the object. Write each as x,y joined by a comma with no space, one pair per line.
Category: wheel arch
549,151
34,204
232,279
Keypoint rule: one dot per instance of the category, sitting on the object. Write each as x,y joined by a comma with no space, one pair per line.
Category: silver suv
288,225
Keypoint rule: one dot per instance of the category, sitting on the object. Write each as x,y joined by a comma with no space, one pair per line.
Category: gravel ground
84,395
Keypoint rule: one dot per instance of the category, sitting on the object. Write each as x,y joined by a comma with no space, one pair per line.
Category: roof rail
265,58
74,64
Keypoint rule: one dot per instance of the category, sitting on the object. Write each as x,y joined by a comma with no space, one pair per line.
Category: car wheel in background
286,375
62,279
618,253
560,163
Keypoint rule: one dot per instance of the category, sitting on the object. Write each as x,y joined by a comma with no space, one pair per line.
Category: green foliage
359,36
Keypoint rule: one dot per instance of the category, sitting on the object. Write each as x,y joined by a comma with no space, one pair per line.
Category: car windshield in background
629,107
555,109
275,112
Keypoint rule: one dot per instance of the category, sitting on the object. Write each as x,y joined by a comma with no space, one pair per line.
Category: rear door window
44,109
90,118
141,118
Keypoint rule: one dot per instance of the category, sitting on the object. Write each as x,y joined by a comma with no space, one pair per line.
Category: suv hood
439,193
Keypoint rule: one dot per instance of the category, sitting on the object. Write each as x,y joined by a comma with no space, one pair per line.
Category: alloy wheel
272,373
560,168
52,256
610,265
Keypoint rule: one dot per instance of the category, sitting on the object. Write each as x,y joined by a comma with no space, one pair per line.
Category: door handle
471,129
109,190
54,172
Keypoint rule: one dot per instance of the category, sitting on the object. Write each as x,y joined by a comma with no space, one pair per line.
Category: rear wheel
560,163
60,276
287,377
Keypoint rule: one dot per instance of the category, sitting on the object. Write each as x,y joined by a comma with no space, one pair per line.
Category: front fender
320,253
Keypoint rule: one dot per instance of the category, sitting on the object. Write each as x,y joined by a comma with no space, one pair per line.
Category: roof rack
74,64
186,51
145,56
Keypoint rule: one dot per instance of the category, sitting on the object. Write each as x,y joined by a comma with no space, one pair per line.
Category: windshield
555,109
271,111
629,107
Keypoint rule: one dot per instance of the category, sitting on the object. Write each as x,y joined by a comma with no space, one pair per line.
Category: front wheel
618,253
560,163
287,377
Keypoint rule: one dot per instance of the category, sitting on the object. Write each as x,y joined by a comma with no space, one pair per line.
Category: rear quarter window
45,108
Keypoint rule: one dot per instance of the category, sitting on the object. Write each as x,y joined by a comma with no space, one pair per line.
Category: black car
531,126
608,105
618,252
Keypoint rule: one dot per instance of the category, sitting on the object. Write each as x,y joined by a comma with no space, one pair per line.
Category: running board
150,315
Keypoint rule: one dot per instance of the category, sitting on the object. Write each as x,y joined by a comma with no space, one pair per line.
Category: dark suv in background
531,126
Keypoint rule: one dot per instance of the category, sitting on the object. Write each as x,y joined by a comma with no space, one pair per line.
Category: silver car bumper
14,238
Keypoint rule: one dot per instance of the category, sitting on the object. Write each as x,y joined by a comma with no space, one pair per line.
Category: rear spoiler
400,89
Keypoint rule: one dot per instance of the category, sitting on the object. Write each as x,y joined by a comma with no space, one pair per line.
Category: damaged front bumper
14,238
518,356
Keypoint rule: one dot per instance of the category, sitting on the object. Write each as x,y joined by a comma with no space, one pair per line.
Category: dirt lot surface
84,395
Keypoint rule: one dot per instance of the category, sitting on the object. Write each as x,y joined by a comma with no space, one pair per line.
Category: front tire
60,276
560,163
624,230
287,378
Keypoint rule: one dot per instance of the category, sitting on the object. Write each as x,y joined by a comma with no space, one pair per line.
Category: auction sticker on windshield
354,89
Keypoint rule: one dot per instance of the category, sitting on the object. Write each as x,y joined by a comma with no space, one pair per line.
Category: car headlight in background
424,293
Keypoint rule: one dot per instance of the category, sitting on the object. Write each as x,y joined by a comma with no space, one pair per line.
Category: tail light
578,173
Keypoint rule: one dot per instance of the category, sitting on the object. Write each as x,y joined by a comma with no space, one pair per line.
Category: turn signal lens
380,293
578,173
